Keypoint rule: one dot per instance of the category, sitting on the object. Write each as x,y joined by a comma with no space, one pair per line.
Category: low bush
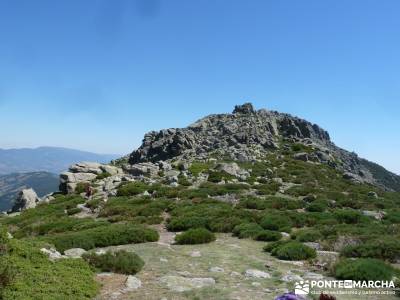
268,236
276,222
195,236
133,209
307,235
218,176
363,269
348,216
247,230
27,273
272,202
383,248
317,206
293,251
114,234
73,211
186,222
132,188
197,167
121,262
392,217
81,187
268,189
103,175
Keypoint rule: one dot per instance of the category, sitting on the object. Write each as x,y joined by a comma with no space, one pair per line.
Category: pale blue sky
96,75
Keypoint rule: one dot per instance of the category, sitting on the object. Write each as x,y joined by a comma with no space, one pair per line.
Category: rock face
226,134
85,172
247,134
27,198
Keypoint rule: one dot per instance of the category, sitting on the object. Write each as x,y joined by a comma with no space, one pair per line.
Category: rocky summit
235,206
248,134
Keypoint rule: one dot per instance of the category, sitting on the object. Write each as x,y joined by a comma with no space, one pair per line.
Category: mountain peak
249,135
246,108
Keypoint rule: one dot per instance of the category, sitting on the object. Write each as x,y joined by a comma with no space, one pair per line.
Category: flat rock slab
252,273
183,284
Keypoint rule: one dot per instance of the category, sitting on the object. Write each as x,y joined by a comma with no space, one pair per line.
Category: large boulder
27,198
143,169
84,172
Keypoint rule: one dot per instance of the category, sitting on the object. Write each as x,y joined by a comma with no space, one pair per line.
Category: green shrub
317,206
121,262
114,234
270,246
383,248
276,222
81,187
131,209
29,274
268,236
132,188
307,235
293,251
253,203
182,180
272,202
73,211
103,175
195,236
247,230
348,216
363,269
392,217
197,167
218,176
186,222
268,189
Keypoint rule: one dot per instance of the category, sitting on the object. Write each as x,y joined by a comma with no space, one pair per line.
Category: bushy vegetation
247,230
27,273
383,248
363,269
195,236
307,235
50,218
81,187
320,206
132,188
103,175
270,202
138,210
211,214
276,222
290,250
122,262
114,234
268,236
218,176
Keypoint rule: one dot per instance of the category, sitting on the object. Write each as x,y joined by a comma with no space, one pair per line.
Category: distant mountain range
38,168
47,159
42,182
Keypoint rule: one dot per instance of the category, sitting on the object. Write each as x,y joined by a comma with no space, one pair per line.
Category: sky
96,75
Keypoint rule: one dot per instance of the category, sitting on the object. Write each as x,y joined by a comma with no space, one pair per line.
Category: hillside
42,182
235,206
248,134
48,159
